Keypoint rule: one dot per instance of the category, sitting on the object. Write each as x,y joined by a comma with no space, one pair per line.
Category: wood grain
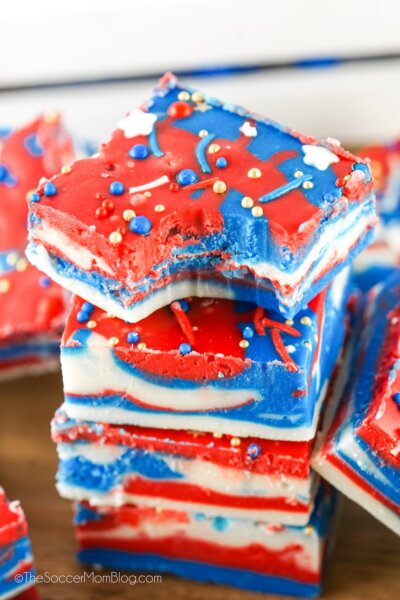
365,564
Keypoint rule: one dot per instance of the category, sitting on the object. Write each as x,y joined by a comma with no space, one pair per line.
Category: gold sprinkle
147,194
305,321
12,258
21,264
197,97
307,344
289,321
298,174
203,133
254,173
141,346
257,211
4,285
66,169
91,324
115,237
184,96
110,315
128,215
308,185
235,441
113,341
50,117
217,435
159,208
213,148
347,177
219,187
309,530
247,202
244,344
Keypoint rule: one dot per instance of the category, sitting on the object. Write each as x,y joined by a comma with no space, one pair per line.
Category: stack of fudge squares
208,249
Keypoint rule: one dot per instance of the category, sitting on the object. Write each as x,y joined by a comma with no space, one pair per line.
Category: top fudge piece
195,197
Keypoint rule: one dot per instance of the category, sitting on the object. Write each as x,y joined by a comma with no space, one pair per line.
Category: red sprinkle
258,320
101,212
108,205
281,326
180,110
283,353
174,187
201,184
183,321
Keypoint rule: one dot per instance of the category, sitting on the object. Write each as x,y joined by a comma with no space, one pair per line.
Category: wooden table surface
365,564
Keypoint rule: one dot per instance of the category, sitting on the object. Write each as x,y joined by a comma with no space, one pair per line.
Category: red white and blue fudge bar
32,308
383,256
17,574
112,465
359,453
237,552
218,366
192,196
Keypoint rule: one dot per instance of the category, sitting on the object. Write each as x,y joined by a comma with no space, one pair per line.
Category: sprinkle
221,162
147,194
66,169
214,148
285,189
307,344
155,148
49,189
150,185
117,188
219,187
87,307
12,258
128,215
254,173
217,435
113,341
235,441
115,237
44,281
309,530
258,319
282,352
308,185
183,95
244,344
257,211
91,324
142,346
4,285
289,321
183,321
247,202
187,177
185,348
203,133
179,110
200,152
298,174
101,212
173,187
133,337
110,315
35,197
139,151
159,208
200,185
248,333
305,321
21,264
141,225
197,97
82,316
253,451
108,205
284,327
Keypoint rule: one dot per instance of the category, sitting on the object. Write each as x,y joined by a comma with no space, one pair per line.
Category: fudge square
212,365
112,465
359,452
32,307
192,196
252,555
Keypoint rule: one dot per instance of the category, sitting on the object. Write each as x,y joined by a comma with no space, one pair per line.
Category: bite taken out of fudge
192,196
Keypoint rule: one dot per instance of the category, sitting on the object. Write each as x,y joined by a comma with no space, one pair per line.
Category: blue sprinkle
139,151
253,451
248,333
35,197
3,172
87,307
364,168
184,305
200,516
140,225
221,162
328,197
185,348
44,282
396,398
187,177
220,523
49,189
117,188
133,337
82,316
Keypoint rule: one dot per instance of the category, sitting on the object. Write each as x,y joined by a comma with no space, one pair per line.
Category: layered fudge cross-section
218,366
252,555
113,465
360,452
32,307
192,196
